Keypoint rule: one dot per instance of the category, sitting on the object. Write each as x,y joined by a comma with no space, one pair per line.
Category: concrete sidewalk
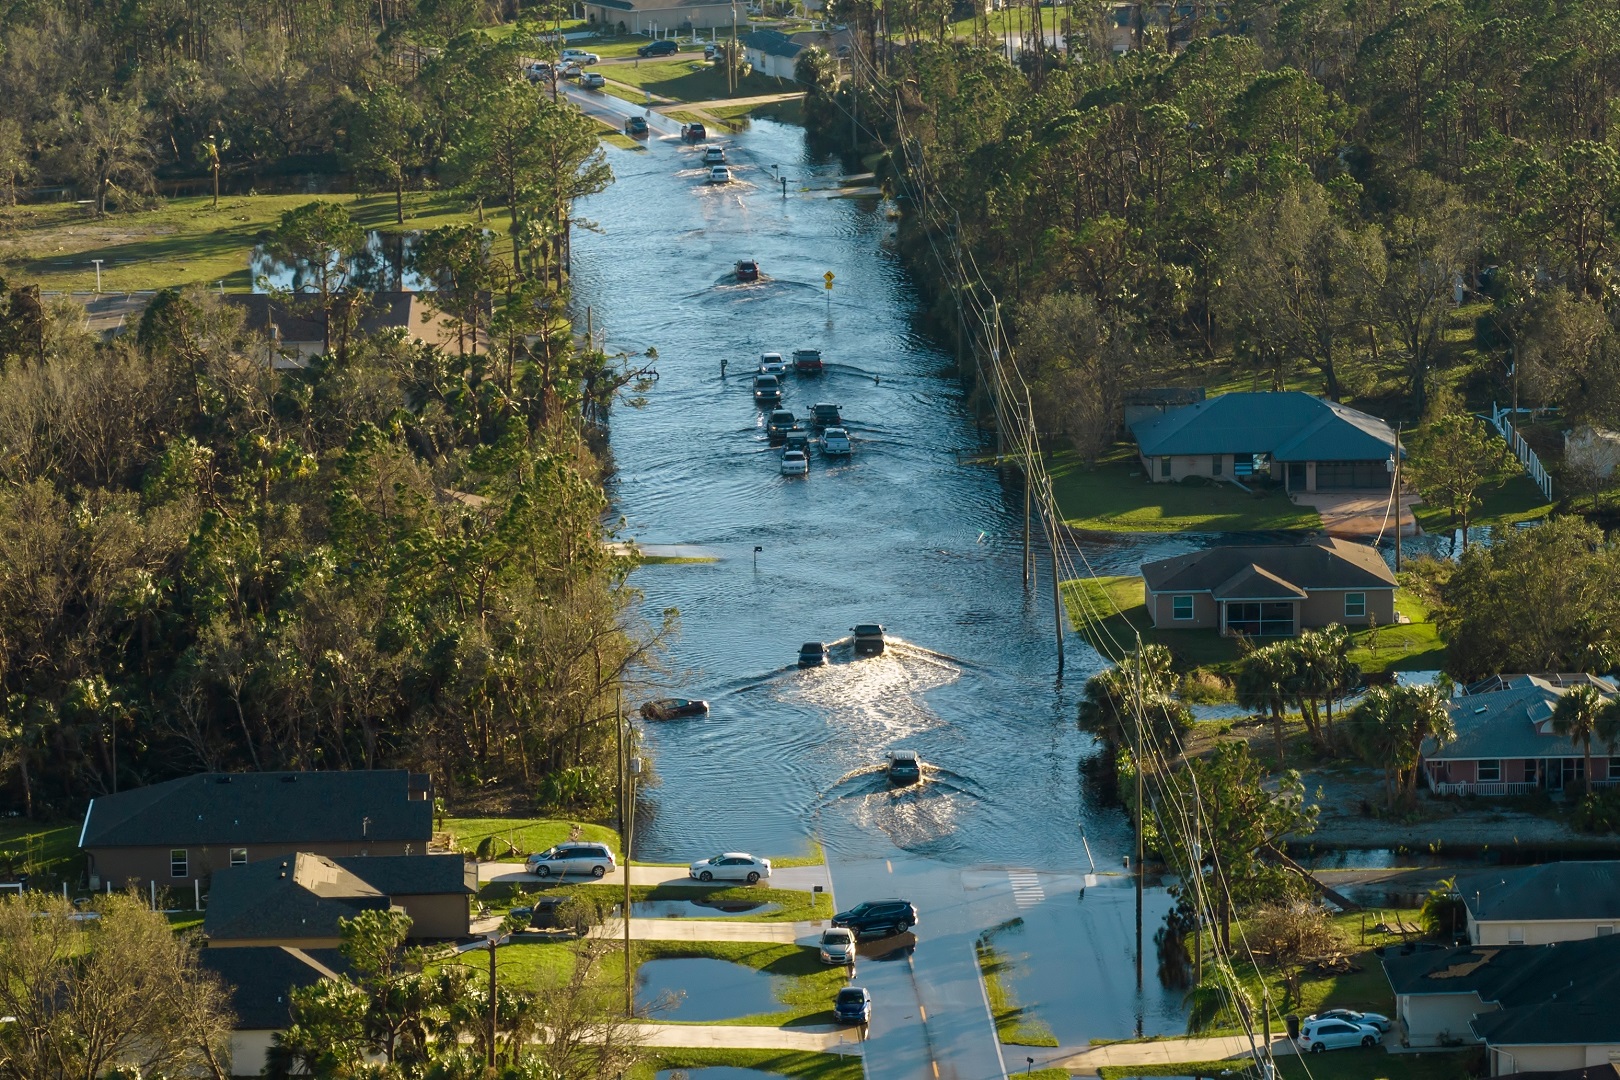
1155,1052
803,878
818,1038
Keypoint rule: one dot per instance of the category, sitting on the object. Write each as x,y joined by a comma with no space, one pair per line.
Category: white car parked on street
580,56
1351,1016
731,866
1320,1035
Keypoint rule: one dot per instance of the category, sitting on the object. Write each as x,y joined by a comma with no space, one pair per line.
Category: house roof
1288,425
260,979
1514,722
302,896
659,5
772,43
1545,985
413,875
242,809
292,324
1276,568
1588,1072
1550,891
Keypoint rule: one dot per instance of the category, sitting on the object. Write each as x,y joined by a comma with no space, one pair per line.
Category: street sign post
828,278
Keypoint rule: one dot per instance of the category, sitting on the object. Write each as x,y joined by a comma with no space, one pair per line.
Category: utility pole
1027,482
489,1056
731,61
1398,499
632,766
1136,675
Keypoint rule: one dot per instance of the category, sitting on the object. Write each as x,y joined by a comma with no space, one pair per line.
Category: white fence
1521,449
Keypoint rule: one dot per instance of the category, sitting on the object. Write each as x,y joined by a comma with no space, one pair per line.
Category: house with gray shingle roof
771,52
1305,443
658,18
1536,905
260,982
1506,745
1535,1007
1270,590
182,831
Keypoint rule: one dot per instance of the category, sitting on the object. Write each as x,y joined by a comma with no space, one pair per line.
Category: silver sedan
731,866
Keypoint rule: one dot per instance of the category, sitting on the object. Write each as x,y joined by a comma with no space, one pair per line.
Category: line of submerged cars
783,428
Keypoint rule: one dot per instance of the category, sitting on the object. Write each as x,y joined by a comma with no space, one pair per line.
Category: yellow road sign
828,278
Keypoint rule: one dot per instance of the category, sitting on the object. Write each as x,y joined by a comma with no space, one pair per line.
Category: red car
747,270
807,361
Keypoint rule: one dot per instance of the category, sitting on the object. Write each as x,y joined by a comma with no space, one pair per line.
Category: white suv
1319,1035
574,858
580,56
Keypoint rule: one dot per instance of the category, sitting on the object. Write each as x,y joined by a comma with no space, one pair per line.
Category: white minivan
574,858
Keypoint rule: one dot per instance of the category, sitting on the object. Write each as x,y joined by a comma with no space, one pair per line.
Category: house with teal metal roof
1305,443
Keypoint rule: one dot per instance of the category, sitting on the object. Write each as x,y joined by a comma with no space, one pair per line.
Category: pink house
1506,745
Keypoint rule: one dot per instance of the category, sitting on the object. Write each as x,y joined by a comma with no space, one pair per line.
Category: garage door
1351,475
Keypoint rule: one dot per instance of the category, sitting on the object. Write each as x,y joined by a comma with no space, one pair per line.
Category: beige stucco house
1537,905
658,17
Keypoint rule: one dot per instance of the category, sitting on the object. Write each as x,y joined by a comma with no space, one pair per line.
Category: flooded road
907,531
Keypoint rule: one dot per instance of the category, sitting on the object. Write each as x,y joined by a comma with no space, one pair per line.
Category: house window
1614,768
1215,464
238,856
1490,771
1355,605
1182,607
1164,468
1515,935
177,862
1260,620
1605,929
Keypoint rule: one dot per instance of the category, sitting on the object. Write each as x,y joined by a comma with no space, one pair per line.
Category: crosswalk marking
1026,888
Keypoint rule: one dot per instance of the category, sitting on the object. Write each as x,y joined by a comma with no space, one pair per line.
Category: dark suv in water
868,639
878,918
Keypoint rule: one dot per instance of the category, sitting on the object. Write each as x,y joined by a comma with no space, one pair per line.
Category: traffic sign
828,278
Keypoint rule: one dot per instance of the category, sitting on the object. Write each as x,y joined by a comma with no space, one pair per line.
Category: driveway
821,1038
1158,1052
1358,514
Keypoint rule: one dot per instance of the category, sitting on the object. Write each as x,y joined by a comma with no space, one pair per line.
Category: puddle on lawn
703,989
697,909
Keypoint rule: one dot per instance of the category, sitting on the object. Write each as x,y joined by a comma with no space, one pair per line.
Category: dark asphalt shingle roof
1510,723
658,5
242,809
260,979
1318,564
413,875
1288,425
772,43
303,896
1552,891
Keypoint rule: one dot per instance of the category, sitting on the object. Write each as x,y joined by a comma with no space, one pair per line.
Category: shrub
1598,812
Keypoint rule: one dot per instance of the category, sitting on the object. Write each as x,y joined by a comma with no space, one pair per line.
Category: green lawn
185,241
181,921
690,80
48,854
1014,1024
1512,499
1115,496
1356,1064
793,905
514,838
1411,647
795,1063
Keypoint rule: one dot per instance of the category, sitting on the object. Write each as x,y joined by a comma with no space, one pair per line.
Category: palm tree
1576,717
1262,685
1424,718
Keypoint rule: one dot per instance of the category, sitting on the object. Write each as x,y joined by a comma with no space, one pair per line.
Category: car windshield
868,629
837,937
812,646
850,996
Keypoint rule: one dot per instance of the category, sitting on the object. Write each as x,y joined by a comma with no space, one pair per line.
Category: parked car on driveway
837,946
636,127
1320,1035
592,81
813,654
1351,1016
731,866
666,47
581,57
767,390
853,1005
795,463
878,918
835,442
576,858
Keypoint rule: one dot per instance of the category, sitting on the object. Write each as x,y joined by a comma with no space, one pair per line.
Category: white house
1535,905
771,53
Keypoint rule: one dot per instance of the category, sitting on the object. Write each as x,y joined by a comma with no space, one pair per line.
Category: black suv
878,918
665,47
869,639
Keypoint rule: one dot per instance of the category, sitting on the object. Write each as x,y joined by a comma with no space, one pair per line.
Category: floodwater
909,531
382,265
698,989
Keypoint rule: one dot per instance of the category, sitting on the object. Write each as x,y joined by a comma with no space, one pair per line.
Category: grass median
801,1064
786,905
1015,1023
1356,1064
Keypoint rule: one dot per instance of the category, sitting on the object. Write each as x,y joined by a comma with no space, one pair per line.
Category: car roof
868,628
813,645
903,755
735,855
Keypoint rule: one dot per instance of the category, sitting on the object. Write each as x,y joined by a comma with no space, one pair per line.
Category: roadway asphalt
805,878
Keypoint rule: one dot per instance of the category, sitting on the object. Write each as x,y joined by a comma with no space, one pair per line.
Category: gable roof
772,43
241,809
1512,722
303,896
413,875
1524,980
1288,425
260,979
1278,569
1551,891
658,5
